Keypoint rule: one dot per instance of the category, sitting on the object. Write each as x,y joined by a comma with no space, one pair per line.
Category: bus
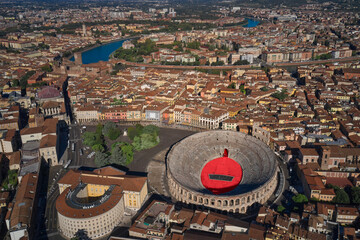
73,147
67,164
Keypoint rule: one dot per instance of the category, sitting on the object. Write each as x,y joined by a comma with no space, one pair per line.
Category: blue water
100,53
251,23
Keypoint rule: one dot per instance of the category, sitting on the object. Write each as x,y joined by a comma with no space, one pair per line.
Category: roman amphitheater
196,171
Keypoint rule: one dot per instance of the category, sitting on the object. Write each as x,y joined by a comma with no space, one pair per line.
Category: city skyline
174,120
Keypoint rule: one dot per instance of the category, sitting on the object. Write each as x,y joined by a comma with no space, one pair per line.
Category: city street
74,140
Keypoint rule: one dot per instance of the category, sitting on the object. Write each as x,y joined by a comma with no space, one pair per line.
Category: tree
98,148
241,62
128,151
111,131
101,159
23,79
46,68
145,141
218,63
131,133
212,48
151,129
99,128
137,143
300,198
117,156
280,209
355,195
81,234
314,199
90,138
242,89
114,134
232,85
194,45
139,129
324,56
280,95
341,196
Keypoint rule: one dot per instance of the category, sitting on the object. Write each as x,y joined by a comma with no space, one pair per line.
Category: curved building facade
213,156
95,202
97,219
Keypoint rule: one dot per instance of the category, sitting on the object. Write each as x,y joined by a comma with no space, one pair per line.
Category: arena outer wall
233,202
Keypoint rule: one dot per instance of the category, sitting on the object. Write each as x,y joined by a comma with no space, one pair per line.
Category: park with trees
104,141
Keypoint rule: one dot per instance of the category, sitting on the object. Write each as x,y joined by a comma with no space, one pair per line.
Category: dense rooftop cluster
297,90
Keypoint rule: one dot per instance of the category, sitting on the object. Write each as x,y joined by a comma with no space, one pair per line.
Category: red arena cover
221,175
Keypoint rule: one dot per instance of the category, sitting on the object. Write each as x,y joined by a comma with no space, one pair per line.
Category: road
55,173
75,132
149,65
168,137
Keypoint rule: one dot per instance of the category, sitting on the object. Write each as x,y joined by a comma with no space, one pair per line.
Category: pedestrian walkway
156,173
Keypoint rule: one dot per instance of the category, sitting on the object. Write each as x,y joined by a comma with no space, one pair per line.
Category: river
100,53
251,23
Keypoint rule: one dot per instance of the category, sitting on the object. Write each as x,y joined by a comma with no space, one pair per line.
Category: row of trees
23,80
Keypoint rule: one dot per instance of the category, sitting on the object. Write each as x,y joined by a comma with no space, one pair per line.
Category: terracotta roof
340,182
350,211
104,176
24,201
49,92
51,104
48,141
64,209
15,158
